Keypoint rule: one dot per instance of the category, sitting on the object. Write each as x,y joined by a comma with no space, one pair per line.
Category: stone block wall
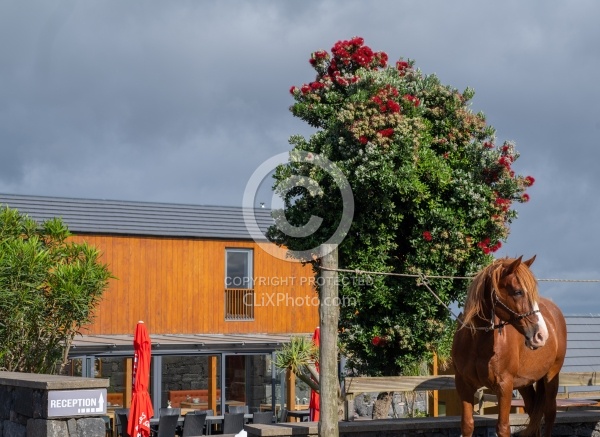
568,423
24,407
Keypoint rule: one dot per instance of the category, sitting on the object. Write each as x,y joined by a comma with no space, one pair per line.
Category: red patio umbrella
141,409
314,405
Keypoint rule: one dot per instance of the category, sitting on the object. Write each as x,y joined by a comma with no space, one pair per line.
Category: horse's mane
489,277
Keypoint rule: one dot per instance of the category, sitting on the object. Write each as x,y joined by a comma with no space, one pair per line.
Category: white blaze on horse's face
540,336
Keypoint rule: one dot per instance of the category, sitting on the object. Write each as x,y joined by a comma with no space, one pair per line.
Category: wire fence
415,275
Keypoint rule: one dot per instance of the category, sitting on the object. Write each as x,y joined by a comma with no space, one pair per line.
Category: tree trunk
381,407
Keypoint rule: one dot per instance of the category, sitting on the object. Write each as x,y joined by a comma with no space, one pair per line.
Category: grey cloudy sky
182,101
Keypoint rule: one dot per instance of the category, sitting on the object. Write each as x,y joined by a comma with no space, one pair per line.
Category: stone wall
568,423
24,406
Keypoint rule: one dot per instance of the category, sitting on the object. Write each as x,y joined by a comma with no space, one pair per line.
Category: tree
300,356
433,195
48,290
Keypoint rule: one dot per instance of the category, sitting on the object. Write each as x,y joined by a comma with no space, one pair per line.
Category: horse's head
504,293
514,300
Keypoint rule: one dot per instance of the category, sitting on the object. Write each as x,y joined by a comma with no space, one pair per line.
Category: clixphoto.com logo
312,187
278,299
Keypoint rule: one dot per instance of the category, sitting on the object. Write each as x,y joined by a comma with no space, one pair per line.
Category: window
239,285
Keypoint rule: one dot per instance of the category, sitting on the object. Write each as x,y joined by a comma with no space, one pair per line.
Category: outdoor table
561,403
300,414
194,406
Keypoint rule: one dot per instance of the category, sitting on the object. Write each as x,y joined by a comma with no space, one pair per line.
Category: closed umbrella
141,405
314,406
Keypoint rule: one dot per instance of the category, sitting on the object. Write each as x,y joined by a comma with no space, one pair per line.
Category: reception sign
68,403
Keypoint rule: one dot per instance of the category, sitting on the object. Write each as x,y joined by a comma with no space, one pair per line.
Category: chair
284,415
167,425
233,423
169,412
207,412
108,427
193,424
264,417
117,423
122,417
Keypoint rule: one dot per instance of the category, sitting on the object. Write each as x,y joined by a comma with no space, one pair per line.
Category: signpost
70,403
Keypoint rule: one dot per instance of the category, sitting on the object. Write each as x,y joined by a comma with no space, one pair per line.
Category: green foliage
299,356
48,290
433,194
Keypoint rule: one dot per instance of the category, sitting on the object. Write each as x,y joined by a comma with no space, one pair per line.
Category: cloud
182,101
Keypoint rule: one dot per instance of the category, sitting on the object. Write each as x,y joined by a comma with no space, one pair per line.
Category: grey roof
181,344
140,218
583,344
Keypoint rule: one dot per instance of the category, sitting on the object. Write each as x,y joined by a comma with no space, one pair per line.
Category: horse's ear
512,267
529,261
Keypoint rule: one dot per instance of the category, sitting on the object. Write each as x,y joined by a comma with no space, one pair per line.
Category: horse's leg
549,404
504,394
528,395
467,396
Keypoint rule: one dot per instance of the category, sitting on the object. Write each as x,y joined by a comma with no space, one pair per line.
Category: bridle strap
516,316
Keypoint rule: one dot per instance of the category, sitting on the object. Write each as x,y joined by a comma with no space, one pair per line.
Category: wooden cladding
177,286
239,304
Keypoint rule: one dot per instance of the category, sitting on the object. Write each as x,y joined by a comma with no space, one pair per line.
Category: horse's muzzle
537,336
537,340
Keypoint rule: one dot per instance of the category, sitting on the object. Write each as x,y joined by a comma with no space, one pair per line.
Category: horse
509,337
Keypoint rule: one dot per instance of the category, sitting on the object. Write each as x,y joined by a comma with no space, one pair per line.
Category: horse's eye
518,292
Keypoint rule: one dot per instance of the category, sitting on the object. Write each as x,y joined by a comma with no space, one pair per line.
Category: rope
419,275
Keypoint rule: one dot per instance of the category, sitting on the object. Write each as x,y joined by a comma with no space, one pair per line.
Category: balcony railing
239,304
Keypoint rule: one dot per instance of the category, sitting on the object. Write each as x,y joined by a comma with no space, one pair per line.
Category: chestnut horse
509,338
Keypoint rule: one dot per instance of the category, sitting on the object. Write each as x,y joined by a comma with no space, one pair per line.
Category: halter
516,316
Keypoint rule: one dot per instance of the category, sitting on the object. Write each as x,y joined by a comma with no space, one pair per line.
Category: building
216,304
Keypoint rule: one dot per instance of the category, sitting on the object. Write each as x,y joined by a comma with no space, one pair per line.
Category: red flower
488,145
393,106
505,161
427,236
363,140
320,54
293,89
402,66
383,58
386,132
377,341
357,41
484,243
529,181
525,197
412,99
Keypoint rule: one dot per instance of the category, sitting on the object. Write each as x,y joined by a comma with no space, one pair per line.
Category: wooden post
290,393
128,381
434,399
329,314
212,383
